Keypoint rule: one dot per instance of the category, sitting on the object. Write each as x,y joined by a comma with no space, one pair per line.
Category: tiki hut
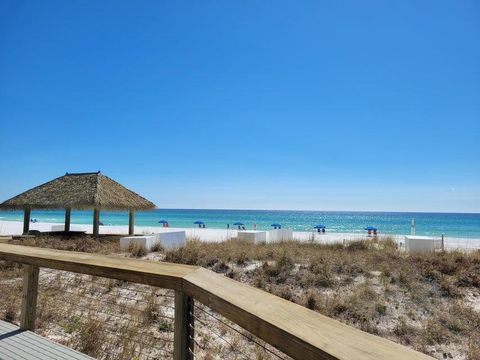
79,191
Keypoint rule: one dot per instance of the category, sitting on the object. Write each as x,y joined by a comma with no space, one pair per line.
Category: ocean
432,224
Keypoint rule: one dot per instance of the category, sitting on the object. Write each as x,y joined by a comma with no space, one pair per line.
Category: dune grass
430,302
425,301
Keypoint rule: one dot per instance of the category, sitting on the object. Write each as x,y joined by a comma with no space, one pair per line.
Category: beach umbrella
198,222
238,224
371,228
163,222
319,227
276,226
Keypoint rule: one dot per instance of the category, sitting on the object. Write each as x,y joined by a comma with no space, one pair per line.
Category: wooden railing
291,328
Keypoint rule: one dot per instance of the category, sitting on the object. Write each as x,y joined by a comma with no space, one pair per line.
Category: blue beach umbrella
199,223
163,222
371,228
319,227
276,226
238,224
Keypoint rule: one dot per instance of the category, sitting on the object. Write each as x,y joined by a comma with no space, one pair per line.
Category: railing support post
183,348
29,297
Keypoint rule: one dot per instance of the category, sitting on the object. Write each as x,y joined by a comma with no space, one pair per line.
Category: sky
312,105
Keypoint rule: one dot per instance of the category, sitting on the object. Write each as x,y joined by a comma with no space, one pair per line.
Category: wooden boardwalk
16,344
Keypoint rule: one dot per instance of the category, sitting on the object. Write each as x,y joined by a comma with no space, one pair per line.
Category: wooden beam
96,222
68,213
183,328
26,221
29,298
131,222
155,273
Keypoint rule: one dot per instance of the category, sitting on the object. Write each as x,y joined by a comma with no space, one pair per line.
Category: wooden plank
28,339
293,329
26,221
18,344
183,327
153,273
29,297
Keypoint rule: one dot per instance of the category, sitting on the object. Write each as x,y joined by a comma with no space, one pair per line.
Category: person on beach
228,226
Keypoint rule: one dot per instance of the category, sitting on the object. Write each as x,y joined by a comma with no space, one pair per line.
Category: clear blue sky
338,105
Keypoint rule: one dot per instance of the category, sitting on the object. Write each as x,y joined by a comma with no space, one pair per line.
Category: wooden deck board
26,345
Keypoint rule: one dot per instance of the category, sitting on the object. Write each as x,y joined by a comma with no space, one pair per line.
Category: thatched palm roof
79,191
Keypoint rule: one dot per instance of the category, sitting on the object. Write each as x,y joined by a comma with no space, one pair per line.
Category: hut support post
68,213
131,222
96,222
29,297
26,221
183,328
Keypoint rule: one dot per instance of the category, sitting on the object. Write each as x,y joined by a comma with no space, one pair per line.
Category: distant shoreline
428,224
218,235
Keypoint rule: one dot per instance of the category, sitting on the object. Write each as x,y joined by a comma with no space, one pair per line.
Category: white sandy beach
217,235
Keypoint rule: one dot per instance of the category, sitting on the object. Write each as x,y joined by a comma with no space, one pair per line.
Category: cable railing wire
123,307
249,338
115,309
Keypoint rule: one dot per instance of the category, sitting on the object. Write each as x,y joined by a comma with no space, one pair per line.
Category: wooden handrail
293,329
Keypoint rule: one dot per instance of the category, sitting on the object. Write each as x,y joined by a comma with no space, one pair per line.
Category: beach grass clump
151,312
473,350
404,332
157,247
90,337
10,314
136,250
106,244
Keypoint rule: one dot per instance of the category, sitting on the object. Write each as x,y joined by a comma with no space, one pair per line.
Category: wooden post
29,297
26,220
96,222
131,222
183,348
68,213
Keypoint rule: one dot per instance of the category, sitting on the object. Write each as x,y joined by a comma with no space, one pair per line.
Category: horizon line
279,210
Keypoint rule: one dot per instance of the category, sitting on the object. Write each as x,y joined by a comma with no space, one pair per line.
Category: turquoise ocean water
434,224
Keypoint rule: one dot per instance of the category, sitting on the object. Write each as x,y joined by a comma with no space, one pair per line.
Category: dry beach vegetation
430,302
